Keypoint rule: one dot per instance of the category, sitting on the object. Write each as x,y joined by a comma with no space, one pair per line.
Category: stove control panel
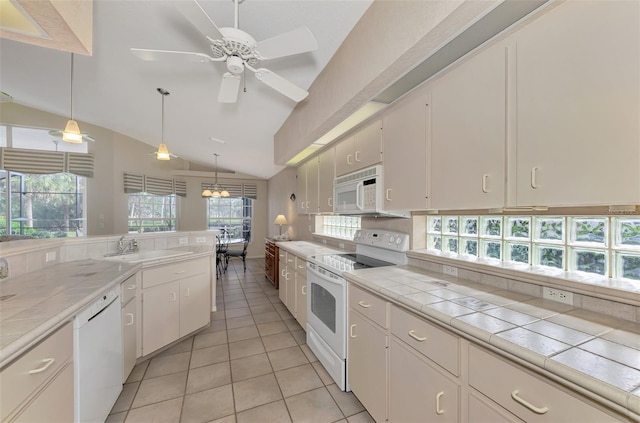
388,240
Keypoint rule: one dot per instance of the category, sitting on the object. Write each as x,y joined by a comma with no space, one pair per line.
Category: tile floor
250,365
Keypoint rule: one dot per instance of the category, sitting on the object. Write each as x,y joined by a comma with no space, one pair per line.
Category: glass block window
338,226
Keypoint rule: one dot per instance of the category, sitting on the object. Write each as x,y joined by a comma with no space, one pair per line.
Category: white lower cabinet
483,410
301,300
130,323
293,286
175,302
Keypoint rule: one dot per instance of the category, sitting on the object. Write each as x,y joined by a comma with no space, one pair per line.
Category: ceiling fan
240,51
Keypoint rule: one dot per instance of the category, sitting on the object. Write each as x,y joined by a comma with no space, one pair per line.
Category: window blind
250,191
43,162
134,183
180,188
158,186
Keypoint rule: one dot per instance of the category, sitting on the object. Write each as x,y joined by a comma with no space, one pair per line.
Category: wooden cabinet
468,133
307,187
175,302
326,175
271,261
578,102
367,364
130,323
361,150
405,158
38,385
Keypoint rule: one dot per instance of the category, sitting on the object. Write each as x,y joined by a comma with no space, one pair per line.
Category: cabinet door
194,303
326,175
578,96
301,300
404,149
367,364
55,403
301,189
418,392
160,316
129,337
468,133
291,283
282,278
344,156
312,186
368,145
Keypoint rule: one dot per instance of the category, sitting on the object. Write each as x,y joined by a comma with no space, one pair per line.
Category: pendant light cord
71,94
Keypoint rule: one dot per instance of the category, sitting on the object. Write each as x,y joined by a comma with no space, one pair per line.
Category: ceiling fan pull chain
244,80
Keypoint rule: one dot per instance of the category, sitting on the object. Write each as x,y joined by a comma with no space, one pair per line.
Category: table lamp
280,220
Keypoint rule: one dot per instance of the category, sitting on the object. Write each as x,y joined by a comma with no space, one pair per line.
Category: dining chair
238,253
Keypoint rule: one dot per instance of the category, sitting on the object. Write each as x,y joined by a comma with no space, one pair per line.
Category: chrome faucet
124,247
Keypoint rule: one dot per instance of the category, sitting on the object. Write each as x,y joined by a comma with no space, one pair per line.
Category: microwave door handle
359,190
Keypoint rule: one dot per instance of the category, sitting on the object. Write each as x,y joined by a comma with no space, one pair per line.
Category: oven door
327,308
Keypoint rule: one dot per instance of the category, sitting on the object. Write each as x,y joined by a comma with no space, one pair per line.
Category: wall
280,187
117,153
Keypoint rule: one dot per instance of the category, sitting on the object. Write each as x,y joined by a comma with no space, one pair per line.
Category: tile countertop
306,249
34,304
598,353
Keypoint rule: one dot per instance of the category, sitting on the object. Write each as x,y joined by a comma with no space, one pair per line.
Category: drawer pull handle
349,162
131,287
304,289
173,297
351,331
527,404
363,304
484,183
534,181
188,294
439,411
47,363
130,317
416,337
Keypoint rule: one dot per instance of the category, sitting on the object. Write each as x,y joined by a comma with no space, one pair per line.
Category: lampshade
280,220
72,133
163,152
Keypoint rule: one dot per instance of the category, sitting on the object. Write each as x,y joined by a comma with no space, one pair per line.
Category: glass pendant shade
207,193
72,133
224,193
163,152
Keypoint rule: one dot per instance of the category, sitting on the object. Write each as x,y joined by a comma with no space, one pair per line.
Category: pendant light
71,133
163,151
215,191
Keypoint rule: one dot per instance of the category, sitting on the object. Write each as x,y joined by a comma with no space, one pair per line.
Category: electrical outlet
184,241
450,270
558,295
201,240
51,256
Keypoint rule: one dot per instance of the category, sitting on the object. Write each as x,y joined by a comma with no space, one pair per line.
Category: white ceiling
115,90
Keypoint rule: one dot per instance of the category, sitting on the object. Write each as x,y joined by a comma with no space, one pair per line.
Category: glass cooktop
350,261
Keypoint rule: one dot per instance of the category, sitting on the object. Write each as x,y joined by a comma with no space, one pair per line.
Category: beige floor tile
210,339
238,322
324,375
138,371
271,316
278,341
298,379
245,348
260,390
237,312
258,301
228,298
363,417
216,326
308,353
348,403
208,405
218,315
211,355
123,403
181,347
240,334
287,358
272,328
207,377
300,336
236,304
160,366
275,412
116,417
262,308
163,412
274,300
248,367
228,419
252,295
292,323
315,406
159,389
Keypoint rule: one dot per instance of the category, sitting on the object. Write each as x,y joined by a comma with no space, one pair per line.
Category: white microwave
361,193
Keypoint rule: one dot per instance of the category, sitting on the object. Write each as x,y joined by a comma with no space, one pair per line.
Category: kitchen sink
145,255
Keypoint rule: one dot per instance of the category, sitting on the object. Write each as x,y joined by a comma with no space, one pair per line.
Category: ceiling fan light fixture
71,133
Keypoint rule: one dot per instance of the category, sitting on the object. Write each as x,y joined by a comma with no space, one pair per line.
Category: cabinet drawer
435,343
32,369
373,307
128,289
175,271
301,267
525,395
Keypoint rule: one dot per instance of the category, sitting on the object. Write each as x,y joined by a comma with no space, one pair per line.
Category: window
152,213
338,226
599,245
232,215
42,206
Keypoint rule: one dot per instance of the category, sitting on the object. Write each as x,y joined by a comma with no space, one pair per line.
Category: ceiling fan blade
196,15
229,88
280,84
300,40
187,56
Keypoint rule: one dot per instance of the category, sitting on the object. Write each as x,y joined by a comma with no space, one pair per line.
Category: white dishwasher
97,358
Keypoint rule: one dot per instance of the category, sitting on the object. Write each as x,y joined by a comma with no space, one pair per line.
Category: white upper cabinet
404,146
578,106
307,187
326,175
360,150
468,133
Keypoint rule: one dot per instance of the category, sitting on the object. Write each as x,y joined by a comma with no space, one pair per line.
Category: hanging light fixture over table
71,133
163,151
216,190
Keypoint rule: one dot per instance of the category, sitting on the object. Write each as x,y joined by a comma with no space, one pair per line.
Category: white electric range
327,299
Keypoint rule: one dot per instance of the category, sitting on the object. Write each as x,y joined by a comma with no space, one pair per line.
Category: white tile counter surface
306,249
596,352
